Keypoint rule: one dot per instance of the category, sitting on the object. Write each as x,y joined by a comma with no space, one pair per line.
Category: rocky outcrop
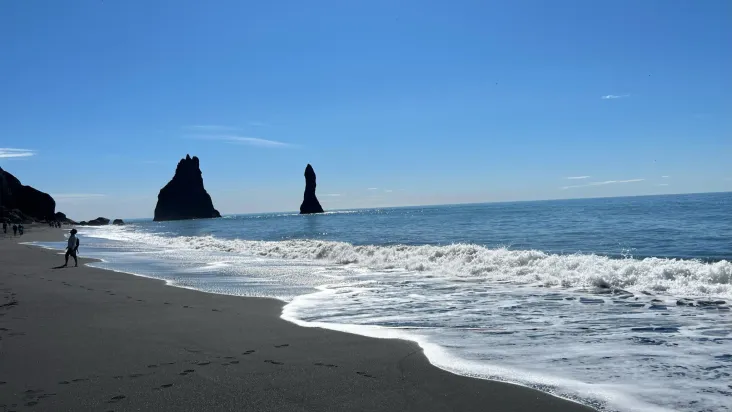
100,221
30,203
14,216
310,202
118,222
184,197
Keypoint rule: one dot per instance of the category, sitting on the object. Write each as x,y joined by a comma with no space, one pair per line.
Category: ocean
622,304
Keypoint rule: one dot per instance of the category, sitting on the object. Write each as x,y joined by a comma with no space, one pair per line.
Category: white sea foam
673,277
605,332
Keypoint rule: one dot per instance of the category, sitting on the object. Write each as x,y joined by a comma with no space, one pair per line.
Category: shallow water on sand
622,304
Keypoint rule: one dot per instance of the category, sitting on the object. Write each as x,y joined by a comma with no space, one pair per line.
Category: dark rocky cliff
310,202
184,197
30,202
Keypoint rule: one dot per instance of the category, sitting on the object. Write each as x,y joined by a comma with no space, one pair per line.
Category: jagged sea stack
184,196
310,202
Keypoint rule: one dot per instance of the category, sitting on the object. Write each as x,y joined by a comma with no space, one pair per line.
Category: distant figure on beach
72,248
15,230
20,230
5,227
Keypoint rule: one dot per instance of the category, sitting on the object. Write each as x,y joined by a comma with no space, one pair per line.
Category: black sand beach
85,339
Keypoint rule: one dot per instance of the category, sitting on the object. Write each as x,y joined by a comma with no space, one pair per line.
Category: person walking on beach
15,230
5,227
72,248
20,230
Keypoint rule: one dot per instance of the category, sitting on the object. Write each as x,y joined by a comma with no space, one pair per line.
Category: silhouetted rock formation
310,202
61,217
23,202
118,222
184,197
14,216
100,221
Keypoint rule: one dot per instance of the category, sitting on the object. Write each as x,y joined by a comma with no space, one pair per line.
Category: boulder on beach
310,202
118,222
184,197
23,202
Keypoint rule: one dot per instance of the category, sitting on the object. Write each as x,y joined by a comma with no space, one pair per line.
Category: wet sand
86,339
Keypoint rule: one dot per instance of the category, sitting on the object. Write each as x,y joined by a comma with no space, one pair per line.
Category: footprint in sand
364,374
186,372
152,366
249,352
284,345
273,362
327,365
116,399
204,363
161,387
166,303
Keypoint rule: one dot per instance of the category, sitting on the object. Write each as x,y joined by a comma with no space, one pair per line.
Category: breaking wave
673,277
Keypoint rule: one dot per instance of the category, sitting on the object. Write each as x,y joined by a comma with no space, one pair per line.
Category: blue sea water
618,303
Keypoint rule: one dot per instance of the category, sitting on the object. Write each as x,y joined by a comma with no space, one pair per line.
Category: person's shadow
59,267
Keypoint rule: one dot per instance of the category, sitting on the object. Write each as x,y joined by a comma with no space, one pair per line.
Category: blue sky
394,103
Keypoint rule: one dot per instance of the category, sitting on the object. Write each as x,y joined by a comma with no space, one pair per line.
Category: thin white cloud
606,182
251,141
663,184
388,190
373,188
332,194
8,152
614,96
578,177
257,124
211,128
665,177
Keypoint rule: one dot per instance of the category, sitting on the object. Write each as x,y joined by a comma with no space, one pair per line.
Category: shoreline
91,328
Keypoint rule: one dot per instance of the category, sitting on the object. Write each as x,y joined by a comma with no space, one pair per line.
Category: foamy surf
605,332
673,277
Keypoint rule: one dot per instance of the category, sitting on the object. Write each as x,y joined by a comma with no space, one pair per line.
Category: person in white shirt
72,248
